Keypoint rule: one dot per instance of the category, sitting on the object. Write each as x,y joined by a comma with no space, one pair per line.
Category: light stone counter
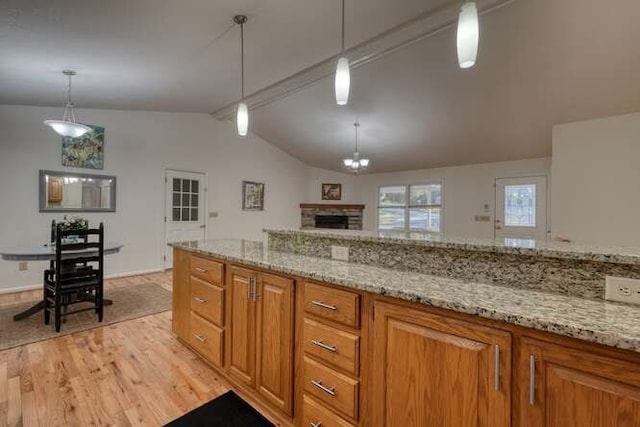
597,321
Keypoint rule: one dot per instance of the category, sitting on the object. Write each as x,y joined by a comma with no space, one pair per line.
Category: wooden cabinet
54,195
261,334
433,370
565,387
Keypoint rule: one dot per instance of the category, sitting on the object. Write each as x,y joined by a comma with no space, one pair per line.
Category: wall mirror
76,192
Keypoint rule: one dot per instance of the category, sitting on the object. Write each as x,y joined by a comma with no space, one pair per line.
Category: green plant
73,223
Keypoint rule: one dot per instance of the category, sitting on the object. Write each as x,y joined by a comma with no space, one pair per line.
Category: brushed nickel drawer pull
200,300
200,338
324,305
319,343
496,378
532,380
201,270
318,424
328,390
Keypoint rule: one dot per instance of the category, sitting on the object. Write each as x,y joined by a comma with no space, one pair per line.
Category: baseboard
25,288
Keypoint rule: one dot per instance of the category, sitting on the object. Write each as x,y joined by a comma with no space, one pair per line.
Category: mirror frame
43,191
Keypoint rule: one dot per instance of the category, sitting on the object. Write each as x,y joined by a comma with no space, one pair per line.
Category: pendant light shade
68,125
242,115
343,78
343,81
468,35
242,119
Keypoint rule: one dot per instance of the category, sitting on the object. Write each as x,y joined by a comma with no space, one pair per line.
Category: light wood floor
127,374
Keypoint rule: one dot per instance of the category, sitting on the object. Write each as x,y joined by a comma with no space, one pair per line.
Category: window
410,207
185,200
520,205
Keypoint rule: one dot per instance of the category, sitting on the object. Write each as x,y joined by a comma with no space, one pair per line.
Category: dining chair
78,269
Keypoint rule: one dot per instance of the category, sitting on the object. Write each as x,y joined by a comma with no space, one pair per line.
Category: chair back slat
69,255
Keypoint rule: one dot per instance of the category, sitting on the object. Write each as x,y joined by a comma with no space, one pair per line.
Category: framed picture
84,152
331,191
252,196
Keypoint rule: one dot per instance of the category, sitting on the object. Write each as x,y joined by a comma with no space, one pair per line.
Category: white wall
466,190
596,181
317,177
138,148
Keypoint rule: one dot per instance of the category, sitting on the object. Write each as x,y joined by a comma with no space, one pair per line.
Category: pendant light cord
242,60
69,90
356,125
342,46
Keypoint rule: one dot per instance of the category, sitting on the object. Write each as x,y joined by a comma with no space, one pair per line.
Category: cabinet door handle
496,378
249,289
532,380
319,343
324,305
318,424
200,338
328,390
201,270
255,289
200,300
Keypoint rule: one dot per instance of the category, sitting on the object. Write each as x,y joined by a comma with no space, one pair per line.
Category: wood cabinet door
180,294
564,387
241,325
274,340
431,370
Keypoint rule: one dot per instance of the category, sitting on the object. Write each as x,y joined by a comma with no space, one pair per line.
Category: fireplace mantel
329,206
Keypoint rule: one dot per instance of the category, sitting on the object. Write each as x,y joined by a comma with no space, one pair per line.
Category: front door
184,209
521,209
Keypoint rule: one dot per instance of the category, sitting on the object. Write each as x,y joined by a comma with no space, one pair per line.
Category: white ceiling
541,62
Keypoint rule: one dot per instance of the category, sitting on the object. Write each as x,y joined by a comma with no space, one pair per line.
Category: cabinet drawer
207,270
207,301
206,338
331,345
332,304
334,389
314,414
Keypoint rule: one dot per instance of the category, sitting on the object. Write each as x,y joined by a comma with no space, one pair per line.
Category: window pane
185,185
185,214
427,219
519,243
392,196
176,214
194,200
176,199
390,218
185,200
194,186
194,214
424,195
520,205
176,184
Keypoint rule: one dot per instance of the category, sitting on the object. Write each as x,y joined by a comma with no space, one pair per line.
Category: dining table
47,252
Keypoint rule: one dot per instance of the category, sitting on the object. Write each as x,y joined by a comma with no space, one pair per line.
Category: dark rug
228,410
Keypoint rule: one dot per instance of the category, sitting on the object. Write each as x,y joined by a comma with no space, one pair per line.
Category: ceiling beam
419,28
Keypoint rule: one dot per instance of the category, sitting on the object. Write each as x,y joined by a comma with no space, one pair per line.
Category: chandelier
356,164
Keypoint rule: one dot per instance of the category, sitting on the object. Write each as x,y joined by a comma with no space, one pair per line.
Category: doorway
521,210
184,209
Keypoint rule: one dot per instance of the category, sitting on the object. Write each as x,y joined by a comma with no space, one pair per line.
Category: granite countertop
597,321
516,246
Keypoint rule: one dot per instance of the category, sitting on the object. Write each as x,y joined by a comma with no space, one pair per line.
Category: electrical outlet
23,266
622,289
340,253
213,214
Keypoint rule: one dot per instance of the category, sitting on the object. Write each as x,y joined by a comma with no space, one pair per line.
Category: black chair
77,275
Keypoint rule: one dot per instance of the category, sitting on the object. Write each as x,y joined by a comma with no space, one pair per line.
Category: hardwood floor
127,374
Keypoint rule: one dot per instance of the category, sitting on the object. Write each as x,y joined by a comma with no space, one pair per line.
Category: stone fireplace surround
308,212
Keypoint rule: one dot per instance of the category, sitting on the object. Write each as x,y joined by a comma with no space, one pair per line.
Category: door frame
205,212
547,178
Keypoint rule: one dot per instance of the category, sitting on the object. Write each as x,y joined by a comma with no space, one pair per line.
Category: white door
521,209
184,209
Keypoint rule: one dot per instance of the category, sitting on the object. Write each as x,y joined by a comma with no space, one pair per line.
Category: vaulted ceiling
541,62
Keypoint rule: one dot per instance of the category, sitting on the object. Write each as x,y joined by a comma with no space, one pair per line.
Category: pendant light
355,164
468,35
343,79
68,125
242,117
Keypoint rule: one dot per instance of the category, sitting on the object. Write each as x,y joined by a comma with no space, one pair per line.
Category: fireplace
336,216
332,221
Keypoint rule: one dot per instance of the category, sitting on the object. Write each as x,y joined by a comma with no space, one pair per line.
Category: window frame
408,206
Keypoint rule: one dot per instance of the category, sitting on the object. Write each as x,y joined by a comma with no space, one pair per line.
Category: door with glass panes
521,209
184,213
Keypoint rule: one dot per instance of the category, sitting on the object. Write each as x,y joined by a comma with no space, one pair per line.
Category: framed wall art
331,191
84,152
252,196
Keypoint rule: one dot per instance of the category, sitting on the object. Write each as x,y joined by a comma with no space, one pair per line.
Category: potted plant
73,223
